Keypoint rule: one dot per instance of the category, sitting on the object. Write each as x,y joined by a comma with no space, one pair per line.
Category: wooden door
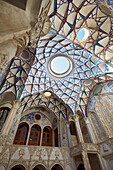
35,133
21,135
47,137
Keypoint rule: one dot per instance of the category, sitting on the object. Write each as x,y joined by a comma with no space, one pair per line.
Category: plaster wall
100,106
30,156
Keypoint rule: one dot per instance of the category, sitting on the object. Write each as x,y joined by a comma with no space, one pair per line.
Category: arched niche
50,115
34,138
47,136
73,132
39,167
81,167
4,111
57,167
21,134
18,167
84,129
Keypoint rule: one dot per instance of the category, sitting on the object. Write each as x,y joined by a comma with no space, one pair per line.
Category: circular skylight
82,34
59,66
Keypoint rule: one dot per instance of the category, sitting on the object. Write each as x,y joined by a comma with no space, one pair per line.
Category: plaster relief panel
56,154
104,108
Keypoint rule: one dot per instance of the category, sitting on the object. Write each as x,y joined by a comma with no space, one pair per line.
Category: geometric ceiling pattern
17,74
52,103
106,3
92,58
85,66
68,17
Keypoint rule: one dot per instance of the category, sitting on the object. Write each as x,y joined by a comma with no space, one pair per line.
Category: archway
39,167
81,167
47,136
35,133
18,167
3,115
21,134
56,167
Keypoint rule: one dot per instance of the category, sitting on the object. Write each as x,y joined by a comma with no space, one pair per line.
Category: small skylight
82,34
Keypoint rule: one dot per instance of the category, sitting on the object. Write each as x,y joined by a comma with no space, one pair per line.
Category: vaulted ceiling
92,58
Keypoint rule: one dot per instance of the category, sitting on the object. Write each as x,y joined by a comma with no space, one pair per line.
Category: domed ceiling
89,55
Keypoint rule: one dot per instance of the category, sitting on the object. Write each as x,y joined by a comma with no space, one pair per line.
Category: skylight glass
59,65
82,34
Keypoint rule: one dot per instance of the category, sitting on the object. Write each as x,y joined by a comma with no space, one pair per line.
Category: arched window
47,136
35,133
21,135
3,115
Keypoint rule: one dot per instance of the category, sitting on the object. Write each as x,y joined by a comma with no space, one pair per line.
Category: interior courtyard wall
50,156
100,110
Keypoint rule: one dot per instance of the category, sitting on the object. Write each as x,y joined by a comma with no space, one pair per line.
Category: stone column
90,130
14,126
10,118
41,136
69,134
86,160
28,135
78,128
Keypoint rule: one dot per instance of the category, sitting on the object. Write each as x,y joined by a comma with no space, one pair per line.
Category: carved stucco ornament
46,27
38,29
3,61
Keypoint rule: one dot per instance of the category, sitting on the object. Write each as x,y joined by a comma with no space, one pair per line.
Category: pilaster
68,133
10,118
86,160
78,128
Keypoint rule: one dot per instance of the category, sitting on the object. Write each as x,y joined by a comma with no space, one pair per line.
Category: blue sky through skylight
59,64
81,34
